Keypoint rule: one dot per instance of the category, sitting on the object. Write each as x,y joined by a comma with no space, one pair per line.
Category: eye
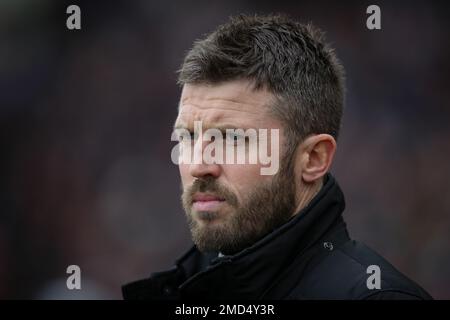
233,138
185,136
193,136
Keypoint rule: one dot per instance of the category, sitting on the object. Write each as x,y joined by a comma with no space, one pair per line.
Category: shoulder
344,273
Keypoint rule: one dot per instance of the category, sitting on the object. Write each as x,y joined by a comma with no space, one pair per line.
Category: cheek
184,173
244,178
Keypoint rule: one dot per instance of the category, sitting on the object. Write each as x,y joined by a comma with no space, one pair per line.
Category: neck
306,193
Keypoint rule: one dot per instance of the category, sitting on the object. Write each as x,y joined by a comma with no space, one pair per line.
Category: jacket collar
248,273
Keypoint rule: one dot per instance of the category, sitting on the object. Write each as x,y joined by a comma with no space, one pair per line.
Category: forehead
233,104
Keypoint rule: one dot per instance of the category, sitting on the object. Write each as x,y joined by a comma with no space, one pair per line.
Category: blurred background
86,117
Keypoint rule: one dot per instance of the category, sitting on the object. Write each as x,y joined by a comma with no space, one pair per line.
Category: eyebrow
178,125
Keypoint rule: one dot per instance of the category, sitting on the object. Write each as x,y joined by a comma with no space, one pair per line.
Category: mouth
206,202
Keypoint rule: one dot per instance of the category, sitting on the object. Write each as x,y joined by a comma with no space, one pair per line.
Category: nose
202,169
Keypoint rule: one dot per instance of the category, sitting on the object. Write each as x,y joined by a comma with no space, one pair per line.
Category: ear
317,155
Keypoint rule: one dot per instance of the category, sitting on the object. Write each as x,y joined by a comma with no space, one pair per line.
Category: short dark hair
286,57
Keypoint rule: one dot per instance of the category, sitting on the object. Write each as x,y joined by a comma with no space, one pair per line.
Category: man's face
230,206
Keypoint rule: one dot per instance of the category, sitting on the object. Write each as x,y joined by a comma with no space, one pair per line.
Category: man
267,236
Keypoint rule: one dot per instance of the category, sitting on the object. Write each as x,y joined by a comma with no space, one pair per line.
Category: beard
266,207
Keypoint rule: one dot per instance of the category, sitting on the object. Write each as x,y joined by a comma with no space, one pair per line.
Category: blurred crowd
86,118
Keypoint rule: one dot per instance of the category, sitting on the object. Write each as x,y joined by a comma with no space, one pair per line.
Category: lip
206,197
206,202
